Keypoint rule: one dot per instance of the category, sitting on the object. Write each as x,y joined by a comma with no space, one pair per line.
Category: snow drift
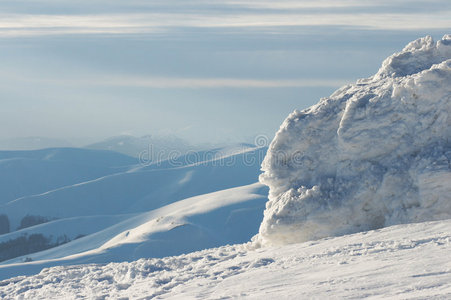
399,262
375,153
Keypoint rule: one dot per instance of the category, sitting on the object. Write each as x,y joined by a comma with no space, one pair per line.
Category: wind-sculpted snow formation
373,154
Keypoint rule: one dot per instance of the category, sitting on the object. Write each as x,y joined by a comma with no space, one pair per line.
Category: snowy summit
375,153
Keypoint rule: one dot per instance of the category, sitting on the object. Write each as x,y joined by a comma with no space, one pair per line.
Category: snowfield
359,206
404,261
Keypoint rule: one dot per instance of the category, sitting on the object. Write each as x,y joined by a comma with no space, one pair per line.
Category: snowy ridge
373,154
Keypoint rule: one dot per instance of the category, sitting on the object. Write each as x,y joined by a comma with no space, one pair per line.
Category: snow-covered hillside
142,188
200,200
373,154
25,173
399,262
224,217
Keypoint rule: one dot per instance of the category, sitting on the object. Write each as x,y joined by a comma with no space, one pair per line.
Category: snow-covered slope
224,217
128,215
373,154
142,188
25,173
399,262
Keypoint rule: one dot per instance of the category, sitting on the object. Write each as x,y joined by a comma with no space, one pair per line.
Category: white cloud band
30,25
190,83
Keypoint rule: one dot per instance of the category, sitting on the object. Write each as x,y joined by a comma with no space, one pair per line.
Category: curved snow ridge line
226,156
5,160
66,187
200,159
135,192
176,214
32,174
391,259
373,154
135,170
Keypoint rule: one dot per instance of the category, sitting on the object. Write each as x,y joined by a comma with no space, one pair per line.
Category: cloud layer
250,15
227,70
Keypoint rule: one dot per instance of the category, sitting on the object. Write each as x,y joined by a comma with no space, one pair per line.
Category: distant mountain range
147,147
32,143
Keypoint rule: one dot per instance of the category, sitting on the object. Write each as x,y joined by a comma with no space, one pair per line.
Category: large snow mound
375,153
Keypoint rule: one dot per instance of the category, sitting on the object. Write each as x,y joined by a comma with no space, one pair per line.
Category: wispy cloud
187,83
291,5
159,82
295,4
30,25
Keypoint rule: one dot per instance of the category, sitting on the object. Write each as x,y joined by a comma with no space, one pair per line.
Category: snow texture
373,154
399,262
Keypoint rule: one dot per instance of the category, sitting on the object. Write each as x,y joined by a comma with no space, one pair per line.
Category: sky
207,71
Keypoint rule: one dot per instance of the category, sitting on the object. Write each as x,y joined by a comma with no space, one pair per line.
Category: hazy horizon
205,72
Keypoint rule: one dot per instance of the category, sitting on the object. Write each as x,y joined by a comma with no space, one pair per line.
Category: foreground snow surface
403,261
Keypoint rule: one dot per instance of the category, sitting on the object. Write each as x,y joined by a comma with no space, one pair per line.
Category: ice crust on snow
373,154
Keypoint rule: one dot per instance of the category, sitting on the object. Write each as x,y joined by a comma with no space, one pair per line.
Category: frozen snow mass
373,154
